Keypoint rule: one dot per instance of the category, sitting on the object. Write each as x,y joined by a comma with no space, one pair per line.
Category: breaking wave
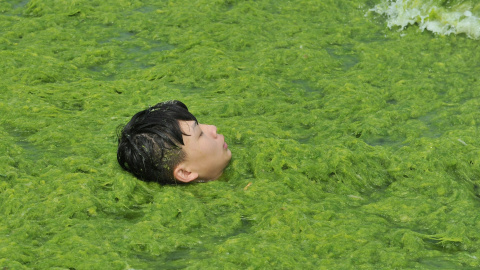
442,17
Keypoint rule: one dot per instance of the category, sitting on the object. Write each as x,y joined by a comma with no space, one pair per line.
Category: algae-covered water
354,128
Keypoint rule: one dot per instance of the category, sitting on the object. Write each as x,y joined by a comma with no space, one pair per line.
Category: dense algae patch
354,146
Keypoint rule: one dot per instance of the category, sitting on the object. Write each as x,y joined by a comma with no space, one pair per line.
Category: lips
225,145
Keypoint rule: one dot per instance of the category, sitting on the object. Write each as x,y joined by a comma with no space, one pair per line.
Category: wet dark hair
149,146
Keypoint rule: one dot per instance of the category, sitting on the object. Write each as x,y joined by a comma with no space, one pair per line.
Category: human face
207,153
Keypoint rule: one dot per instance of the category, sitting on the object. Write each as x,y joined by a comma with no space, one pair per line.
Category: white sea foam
428,15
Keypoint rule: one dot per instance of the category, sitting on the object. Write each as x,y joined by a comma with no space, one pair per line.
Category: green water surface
355,146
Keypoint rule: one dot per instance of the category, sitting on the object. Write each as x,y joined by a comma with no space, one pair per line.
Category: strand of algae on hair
349,138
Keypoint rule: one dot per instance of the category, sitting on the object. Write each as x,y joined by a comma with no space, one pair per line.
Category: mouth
225,145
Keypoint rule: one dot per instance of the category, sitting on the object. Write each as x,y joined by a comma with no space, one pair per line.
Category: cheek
211,146
207,148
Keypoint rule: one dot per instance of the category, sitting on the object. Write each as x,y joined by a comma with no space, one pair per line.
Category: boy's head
166,144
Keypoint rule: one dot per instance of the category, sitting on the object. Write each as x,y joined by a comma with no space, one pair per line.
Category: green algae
354,146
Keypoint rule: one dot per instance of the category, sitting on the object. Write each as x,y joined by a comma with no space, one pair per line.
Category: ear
183,174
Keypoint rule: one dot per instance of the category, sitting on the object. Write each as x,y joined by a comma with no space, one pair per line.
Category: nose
214,131
210,129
